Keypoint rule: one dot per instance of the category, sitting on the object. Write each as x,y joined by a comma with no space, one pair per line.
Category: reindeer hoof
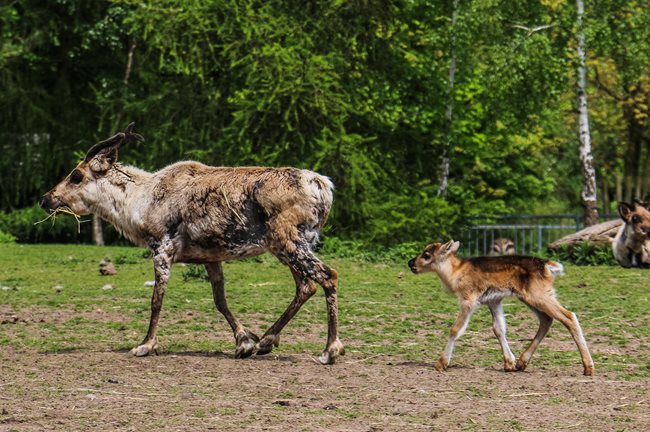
330,353
145,350
245,344
521,365
441,365
266,344
510,366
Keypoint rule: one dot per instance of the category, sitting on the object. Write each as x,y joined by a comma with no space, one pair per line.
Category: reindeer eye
636,219
76,177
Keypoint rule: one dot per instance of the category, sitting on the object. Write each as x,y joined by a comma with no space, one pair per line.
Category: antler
116,140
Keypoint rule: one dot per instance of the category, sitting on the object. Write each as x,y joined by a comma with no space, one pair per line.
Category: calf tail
555,268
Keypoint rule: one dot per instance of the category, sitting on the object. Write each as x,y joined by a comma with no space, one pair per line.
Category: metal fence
530,233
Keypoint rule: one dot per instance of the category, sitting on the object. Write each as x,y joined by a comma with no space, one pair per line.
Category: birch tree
588,194
444,165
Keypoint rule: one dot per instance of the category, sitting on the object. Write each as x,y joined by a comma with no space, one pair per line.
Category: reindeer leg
244,338
457,330
162,262
305,288
328,278
554,309
304,263
545,322
499,327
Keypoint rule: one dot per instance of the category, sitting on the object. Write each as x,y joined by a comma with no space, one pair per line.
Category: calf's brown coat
488,280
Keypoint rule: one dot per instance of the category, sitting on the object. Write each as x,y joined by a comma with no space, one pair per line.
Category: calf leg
305,288
550,306
162,262
244,338
545,322
457,330
499,327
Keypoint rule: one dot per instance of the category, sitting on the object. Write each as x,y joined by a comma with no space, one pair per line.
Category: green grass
56,293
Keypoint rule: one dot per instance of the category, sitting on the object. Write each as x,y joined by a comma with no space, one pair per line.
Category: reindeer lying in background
488,280
631,246
190,212
502,246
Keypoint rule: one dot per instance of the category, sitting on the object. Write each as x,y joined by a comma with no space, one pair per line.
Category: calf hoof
145,350
589,371
266,344
328,357
510,366
245,344
441,365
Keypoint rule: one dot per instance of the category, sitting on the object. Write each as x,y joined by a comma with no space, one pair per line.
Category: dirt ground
107,390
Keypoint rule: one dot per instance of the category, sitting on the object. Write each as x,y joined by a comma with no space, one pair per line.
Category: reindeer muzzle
412,265
49,203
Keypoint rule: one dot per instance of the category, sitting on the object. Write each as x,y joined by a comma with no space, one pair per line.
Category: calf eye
636,219
76,177
426,255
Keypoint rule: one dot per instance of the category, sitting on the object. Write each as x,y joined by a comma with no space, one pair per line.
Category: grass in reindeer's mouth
66,210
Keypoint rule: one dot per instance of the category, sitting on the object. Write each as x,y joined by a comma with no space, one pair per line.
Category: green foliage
195,272
585,254
28,225
355,90
6,238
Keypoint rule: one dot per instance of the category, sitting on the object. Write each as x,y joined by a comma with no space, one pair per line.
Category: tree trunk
98,232
588,195
446,149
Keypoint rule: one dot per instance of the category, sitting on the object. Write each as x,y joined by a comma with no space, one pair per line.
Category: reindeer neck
121,193
631,239
447,269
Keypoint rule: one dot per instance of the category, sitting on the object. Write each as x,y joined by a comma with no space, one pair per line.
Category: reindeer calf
502,246
190,212
488,280
630,246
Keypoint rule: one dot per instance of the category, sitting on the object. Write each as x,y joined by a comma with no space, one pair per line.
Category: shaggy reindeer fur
488,280
190,212
630,246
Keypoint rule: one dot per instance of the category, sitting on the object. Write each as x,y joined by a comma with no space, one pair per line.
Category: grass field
384,308
54,301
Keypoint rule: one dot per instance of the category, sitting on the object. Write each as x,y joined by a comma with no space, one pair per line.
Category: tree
588,195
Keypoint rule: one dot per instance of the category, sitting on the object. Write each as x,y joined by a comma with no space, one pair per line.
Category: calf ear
625,210
451,246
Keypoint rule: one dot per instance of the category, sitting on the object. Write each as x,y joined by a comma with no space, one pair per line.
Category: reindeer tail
555,268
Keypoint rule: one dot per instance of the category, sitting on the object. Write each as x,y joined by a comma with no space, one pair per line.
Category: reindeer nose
43,202
412,265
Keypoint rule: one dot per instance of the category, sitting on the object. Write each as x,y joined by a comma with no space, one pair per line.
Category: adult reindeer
190,212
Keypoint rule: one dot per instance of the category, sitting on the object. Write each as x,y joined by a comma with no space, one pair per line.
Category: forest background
376,94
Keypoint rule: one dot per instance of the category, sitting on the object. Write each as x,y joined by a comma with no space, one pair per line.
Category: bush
585,254
6,238
28,225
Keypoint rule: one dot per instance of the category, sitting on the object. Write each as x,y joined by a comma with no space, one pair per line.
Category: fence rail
530,233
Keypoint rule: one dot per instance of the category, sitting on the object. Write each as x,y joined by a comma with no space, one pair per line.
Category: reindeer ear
624,209
104,159
451,246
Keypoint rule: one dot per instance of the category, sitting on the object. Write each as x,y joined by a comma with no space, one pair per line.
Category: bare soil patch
107,390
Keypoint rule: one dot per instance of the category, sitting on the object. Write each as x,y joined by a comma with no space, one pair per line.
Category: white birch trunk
588,195
446,149
98,232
